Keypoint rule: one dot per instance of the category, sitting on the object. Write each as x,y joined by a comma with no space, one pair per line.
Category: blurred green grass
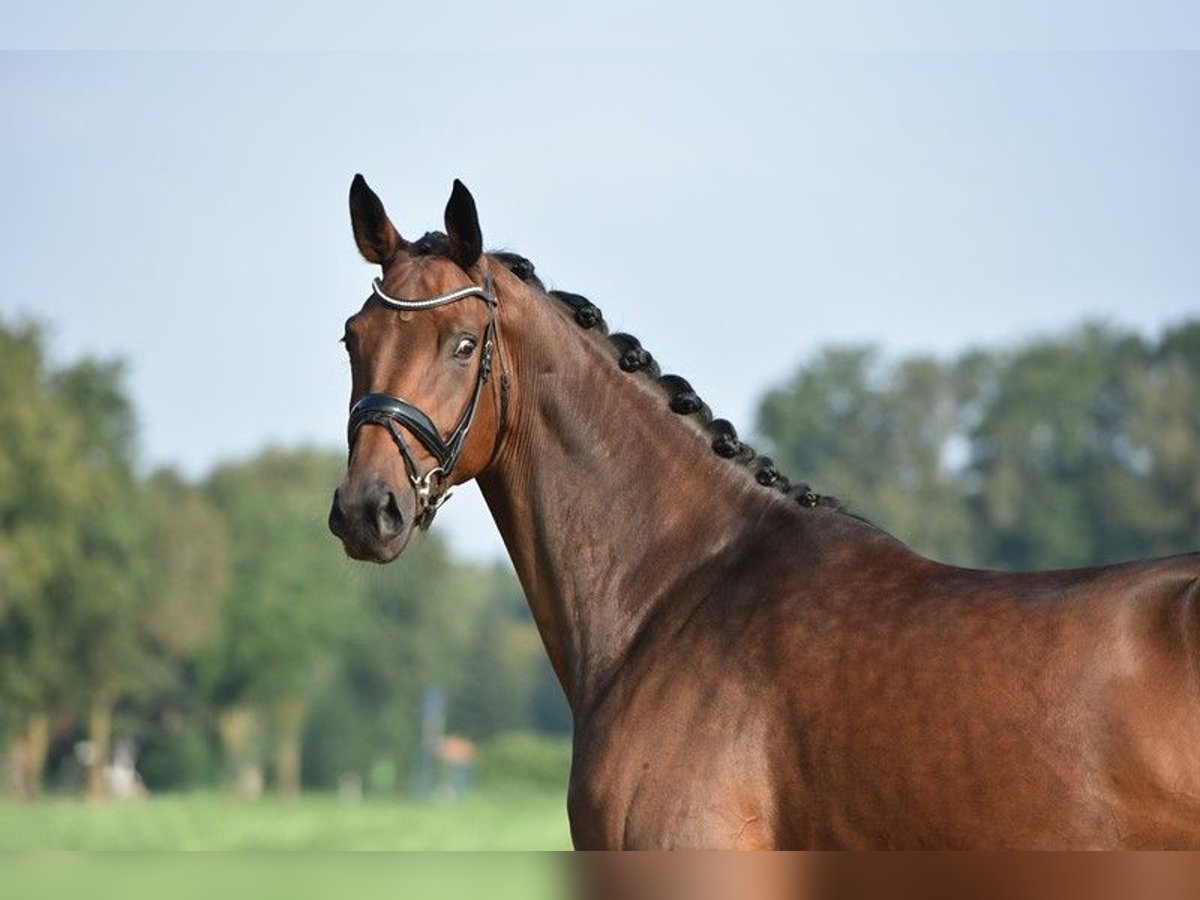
266,876
496,820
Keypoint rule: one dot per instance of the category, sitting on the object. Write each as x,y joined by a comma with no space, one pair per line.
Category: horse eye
465,347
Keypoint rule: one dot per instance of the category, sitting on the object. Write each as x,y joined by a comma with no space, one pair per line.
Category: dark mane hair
431,243
681,398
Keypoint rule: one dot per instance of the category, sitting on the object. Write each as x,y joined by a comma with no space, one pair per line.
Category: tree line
217,626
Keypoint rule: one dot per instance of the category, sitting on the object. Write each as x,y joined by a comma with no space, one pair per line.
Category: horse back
936,706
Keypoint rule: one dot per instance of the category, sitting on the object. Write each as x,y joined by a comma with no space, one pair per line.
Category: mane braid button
725,441
766,474
685,403
587,316
587,313
634,360
727,446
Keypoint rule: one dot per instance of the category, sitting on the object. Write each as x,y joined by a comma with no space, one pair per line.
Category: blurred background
953,283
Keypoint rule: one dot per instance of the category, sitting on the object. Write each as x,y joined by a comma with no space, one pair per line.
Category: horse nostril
388,519
337,518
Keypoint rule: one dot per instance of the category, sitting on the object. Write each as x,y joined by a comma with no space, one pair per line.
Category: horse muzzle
375,521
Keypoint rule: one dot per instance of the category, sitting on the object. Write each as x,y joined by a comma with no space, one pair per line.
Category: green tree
495,693
189,558
1163,443
1054,486
882,438
103,587
188,547
43,488
497,689
413,631
287,608
71,576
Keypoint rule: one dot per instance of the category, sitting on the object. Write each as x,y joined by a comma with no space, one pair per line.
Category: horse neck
611,506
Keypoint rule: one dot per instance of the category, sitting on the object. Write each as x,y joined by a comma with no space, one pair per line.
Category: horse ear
462,226
376,236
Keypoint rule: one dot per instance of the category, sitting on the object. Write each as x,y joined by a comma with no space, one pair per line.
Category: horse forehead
417,277
374,319
383,335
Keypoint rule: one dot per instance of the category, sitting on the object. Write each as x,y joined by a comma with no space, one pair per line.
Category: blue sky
473,27
735,203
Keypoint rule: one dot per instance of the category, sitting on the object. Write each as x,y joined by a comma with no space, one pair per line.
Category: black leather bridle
395,413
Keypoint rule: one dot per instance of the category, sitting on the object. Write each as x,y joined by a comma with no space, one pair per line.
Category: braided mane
632,357
681,398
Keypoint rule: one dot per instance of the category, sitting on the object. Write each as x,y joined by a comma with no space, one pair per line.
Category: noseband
395,413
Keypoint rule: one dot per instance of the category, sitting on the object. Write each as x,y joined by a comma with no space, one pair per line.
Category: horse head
425,409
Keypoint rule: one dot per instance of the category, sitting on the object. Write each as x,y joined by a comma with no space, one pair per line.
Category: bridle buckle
429,499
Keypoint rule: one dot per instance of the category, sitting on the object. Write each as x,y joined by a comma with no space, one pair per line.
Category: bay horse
749,665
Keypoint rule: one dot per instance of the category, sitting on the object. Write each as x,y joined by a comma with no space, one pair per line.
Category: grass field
483,821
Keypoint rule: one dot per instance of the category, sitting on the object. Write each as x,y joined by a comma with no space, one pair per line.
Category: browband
485,293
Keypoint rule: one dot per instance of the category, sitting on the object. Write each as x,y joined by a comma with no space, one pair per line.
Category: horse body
746,670
942,708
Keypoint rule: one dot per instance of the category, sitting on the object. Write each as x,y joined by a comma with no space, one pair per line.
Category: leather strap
395,413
